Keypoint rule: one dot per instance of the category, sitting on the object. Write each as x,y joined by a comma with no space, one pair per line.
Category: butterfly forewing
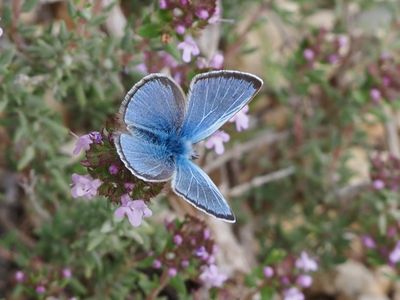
214,98
156,104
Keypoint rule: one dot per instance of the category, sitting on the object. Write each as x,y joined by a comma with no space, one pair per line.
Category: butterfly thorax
178,147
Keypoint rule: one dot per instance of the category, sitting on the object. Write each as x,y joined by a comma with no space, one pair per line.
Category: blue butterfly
162,128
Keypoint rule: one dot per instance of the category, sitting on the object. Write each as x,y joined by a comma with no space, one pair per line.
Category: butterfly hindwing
145,155
194,185
214,98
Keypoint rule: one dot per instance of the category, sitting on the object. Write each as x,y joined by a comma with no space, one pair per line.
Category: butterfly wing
152,110
145,155
156,104
214,98
193,185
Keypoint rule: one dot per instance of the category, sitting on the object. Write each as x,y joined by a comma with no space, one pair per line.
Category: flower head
375,95
129,186
202,13
368,242
304,280
180,29
172,272
216,17
157,264
217,141
178,239
394,256
268,272
83,143
67,273
202,253
189,48
96,137
113,169
241,119
378,184
309,54
163,4
217,61
40,289
135,210
293,294
306,263
212,277
84,186
19,276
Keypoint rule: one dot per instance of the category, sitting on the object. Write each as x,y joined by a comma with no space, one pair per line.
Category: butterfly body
163,127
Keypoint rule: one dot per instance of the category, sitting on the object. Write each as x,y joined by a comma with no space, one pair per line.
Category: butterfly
162,127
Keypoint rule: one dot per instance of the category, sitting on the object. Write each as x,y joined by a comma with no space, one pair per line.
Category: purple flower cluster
385,172
41,279
292,275
386,246
324,47
191,243
188,15
384,74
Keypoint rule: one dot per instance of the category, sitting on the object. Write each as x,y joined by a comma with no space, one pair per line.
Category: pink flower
178,239
129,186
333,59
308,54
394,256
135,210
375,95
40,289
217,141
268,272
202,13
217,61
163,4
19,276
96,137
67,273
368,242
241,119
212,277
202,253
185,263
304,280
172,272
113,169
180,29
84,186
293,294
216,16
343,41
306,263
157,264
378,184
189,48
206,234
1,31
83,143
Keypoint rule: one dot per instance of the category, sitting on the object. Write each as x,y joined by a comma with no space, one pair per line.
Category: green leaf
26,158
29,5
6,58
150,30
